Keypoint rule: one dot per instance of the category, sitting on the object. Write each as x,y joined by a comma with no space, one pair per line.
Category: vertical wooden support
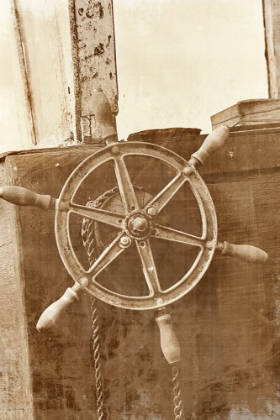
16,125
271,11
94,59
24,77
44,51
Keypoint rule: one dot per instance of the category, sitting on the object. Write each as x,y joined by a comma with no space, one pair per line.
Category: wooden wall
227,325
16,401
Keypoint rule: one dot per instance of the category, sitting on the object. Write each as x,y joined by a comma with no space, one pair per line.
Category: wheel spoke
148,266
106,257
163,232
165,195
126,189
100,215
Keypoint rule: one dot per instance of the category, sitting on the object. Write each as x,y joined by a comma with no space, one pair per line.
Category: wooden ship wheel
136,219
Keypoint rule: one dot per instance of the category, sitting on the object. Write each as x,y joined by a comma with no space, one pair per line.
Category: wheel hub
138,226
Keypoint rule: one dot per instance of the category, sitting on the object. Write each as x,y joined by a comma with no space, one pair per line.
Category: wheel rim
136,225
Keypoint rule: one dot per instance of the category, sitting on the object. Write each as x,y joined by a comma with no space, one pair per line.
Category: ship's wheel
138,223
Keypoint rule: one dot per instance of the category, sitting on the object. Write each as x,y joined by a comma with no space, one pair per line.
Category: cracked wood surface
15,388
227,326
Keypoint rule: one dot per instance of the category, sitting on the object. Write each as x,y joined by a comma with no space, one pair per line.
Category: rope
87,234
177,399
96,358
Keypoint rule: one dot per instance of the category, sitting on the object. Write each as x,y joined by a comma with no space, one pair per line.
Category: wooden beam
94,58
271,12
44,51
28,106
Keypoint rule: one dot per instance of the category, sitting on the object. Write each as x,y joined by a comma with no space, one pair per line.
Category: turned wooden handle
247,253
51,315
24,197
213,142
169,343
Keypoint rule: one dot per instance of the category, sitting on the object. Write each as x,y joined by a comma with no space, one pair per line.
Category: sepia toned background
178,63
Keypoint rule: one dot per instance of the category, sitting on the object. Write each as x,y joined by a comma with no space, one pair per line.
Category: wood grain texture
227,326
94,60
271,11
251,111
47,62
15,389
96,52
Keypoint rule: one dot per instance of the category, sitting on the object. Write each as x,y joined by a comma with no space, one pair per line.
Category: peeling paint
94,58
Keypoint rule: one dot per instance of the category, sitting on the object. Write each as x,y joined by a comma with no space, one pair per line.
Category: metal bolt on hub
125,241
152,211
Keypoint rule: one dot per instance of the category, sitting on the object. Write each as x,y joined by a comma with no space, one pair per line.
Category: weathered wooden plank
15,388
94,58
249,112
243,151
59,386
241,296
16,122
45,37
26,107
227,325
271,10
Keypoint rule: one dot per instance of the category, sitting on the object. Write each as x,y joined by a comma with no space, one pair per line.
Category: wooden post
271,12
94,59
42,33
